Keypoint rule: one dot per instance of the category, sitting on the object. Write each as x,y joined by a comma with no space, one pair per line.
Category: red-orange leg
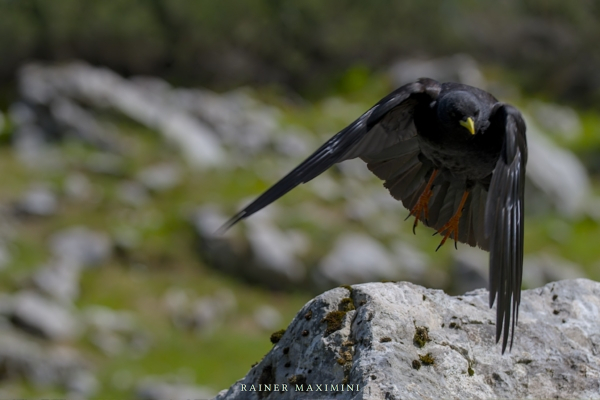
451,227
422,205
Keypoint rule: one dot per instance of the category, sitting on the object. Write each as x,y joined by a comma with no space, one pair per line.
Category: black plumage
456,158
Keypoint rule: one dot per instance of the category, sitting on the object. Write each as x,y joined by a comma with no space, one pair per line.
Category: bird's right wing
361,138
504,221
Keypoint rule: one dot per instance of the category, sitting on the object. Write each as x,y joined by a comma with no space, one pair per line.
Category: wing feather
364,137
504,222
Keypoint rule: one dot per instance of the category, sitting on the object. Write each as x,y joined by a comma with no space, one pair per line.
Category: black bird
455,156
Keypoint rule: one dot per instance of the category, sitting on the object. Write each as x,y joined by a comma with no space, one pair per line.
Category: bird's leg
422,205
451,227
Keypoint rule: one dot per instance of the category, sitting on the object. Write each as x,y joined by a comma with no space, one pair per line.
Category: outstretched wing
504,222
361,138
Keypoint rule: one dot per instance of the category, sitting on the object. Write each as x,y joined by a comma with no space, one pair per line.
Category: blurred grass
165,258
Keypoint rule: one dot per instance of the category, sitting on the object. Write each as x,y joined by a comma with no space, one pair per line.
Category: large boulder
402,341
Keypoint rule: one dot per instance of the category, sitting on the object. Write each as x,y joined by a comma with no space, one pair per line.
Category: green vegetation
312,48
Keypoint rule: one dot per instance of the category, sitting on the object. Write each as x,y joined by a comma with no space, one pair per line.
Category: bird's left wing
353,141
504,221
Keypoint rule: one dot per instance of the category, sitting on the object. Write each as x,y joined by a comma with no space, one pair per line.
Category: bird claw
451,227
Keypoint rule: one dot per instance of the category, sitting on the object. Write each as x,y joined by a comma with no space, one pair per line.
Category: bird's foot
451,227
422,206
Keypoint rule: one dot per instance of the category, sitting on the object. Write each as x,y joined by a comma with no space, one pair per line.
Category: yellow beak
469,124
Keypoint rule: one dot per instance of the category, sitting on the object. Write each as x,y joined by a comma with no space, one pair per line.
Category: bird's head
459,111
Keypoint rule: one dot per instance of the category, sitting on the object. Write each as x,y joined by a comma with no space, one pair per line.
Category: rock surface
406,342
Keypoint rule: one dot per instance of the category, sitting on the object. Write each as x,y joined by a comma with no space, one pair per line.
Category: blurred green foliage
307,47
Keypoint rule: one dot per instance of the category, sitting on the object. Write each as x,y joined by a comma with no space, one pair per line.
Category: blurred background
130,130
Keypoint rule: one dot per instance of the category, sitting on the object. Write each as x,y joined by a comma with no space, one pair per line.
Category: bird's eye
453,114
476,113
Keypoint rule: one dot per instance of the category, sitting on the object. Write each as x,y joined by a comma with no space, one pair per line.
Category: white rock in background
358,258
41,316
81,123
207,219
132,193
411,260
77,186
268,317
325,187
59,279
39,200
102,87
557,173
45,367
294,142
470,269
539,269
457,68
558,120
273,250
80,245
160,177
209,312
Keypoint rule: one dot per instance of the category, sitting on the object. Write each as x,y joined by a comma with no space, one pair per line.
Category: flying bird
455,156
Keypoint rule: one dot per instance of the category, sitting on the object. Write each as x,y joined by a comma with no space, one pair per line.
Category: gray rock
295,143
209,312
356,169
144,103
43,317
153,390
5,256
241,122
372,352
82,124
268,317
81,246
59,279
106,319
557,173
160,177
207,219
542,268
357,258
77,186
274,255
325,187
21,114
81,384
203,315
273,251
110,330
32,130
558,120
470,270
30,145
411,260
38,201
45,367
457,68
132,193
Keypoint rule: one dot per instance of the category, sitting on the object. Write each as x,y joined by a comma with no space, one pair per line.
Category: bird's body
455,157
